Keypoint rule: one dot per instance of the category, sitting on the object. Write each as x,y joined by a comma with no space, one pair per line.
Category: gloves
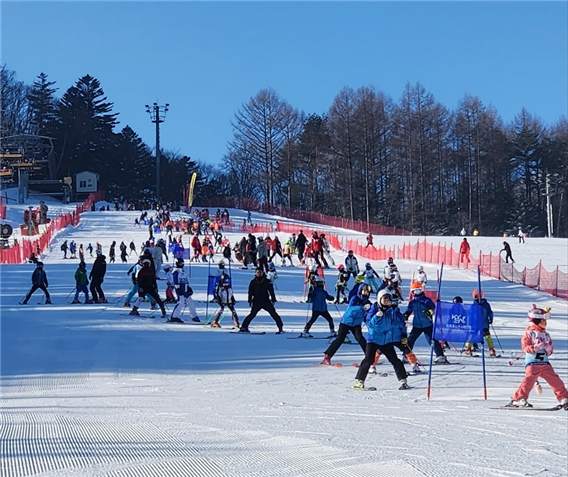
428,314
490,320
367,307
404,340
189,291
407,315
379,313
539,345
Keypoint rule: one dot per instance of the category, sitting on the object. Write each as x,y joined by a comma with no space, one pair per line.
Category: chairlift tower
157,115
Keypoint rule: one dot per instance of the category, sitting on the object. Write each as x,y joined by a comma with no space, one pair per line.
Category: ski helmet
367,265
475,293
221,265
365,288
271,266
458,299
39,264
420,268
180,263
341,267
319,281
359,279
539,313
390,260
82,264
384,293
416,288
146,263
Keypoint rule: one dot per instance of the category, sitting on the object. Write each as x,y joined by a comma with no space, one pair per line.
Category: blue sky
207,59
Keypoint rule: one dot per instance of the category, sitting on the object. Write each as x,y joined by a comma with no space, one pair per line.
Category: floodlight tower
157,115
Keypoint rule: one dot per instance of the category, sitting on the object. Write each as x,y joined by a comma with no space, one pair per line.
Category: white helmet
420,268
382,293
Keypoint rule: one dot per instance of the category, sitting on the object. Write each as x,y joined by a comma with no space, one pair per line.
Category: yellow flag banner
191,188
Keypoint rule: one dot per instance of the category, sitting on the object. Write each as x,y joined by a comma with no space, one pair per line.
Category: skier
369,241
277,250
147,286
486,320
351,322
112,252
310,280
225,298
81,253
341,284
132,247
420,276
464,251
537,344
170,298
184,292
39,280
521,236
387,272
96,276
262,254
370,275
73,249
90,249
422,309
64,248
317,298
81,282
359,279
123,252
261,297
288,251
300,244
132,271
272,274
386,327
351,265
508,254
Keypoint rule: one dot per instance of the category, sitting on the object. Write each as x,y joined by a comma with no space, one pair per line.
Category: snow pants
81,289
342,334
546,372
390,353
183,303
415,334
269,307
33,289
316,315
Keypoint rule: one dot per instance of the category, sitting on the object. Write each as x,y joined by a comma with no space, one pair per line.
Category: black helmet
39,264
221,265
180,263
82,264
458,299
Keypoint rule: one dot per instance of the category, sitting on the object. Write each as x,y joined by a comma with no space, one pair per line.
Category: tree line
411,163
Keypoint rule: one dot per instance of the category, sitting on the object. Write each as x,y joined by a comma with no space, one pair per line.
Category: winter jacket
261,291
318,297
99,269
486,312
181,284
385,324
301,241
262,249
341,281
419,306
147,280
39,277
537,344
81,276
351,264
356,311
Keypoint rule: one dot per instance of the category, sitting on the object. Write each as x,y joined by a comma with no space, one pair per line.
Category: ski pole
498,340
514,360
67,298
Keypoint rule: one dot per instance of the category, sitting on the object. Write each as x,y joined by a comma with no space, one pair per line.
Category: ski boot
48,302
305,334
492,352
441,360
403,384
196,319
416,368
326,360
373,370
134,311
564,404
215,324
174,320
74,302
519,403
332,334
467,352
359,384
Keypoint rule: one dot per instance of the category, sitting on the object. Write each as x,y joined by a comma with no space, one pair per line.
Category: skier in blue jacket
386,327
317,297
422,309
351,322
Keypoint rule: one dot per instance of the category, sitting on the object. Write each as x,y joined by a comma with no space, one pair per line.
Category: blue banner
458,322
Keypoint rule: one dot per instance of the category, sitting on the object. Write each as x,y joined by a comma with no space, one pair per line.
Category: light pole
157,115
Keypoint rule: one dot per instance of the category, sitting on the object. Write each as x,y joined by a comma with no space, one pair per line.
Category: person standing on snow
464,251
370,277
261,297
317,297
147,286
81,282
351,322
351,265
341,285
39,280
538,346
486,320
420,276
300,245
97,276
386,327
184,292
421,308
225,298
508,253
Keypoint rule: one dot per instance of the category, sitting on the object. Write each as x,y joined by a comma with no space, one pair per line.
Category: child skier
311,275
486,320
537,344
341,285
370,277
81,282
422,309
386,327
317,298
225,298
420,276
272,274
351,322
170,298
39,280
184,292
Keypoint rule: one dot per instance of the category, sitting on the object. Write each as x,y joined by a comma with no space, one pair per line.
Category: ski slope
88,391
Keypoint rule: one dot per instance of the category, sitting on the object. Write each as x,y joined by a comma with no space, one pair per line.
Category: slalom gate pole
498,340
483,346
428,388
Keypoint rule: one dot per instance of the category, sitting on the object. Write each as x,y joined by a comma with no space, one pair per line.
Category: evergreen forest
410,163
